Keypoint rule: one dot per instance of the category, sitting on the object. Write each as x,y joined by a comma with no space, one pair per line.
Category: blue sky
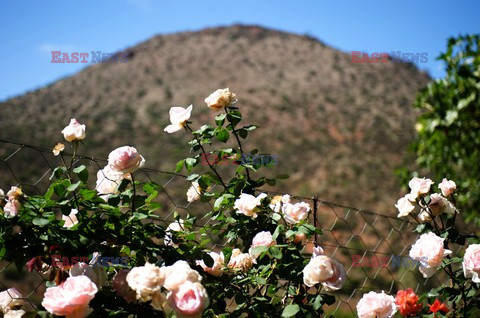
31,29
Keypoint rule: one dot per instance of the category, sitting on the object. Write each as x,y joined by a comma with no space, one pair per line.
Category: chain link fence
353,236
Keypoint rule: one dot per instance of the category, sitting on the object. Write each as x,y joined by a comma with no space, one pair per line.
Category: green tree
448,142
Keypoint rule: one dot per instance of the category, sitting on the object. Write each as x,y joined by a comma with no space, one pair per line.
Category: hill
339,129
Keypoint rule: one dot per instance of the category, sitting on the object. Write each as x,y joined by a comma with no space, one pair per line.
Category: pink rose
263,239
325,270
10,299
125,159
71,298
120,285
179,273
448,187
430,248
218,264
189,300
376,305
247,204
221,98
419,186
74,131
11,208
471,262
294,213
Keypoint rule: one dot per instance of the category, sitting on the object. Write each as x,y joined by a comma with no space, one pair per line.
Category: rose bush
263,267
256,256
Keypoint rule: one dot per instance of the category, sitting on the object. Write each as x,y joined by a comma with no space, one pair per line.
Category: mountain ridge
339,129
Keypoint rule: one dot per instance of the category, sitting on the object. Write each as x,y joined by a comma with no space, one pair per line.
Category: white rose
14,193
325,270
220,99
438,205
429,247
178,117
14,314
405,206
240,261
179,273
71,219
448,187
10,299
146,280
193,193
176,226
247,204
419,186
74,131
218,264
294,213
108,181
424,216
376,305
471,262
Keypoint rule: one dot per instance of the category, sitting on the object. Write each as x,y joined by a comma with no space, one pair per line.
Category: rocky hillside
339,129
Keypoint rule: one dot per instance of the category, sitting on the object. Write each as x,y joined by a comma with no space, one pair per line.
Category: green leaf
179,165
192,177
74,186
208,260
222,135
243,133
258,250
220,119
234,117
466,101
419,228
81,172
40,221
328,299
276,252
282,176
290,310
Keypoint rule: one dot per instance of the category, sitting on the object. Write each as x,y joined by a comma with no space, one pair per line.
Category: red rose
406,301
438,306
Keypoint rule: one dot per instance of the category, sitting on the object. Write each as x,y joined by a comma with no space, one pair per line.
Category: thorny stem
205,153
70,168
234,131
134,192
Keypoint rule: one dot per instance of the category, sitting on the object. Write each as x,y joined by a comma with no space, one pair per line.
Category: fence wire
348,233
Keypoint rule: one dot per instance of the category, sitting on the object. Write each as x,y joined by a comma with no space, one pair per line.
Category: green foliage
448,141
